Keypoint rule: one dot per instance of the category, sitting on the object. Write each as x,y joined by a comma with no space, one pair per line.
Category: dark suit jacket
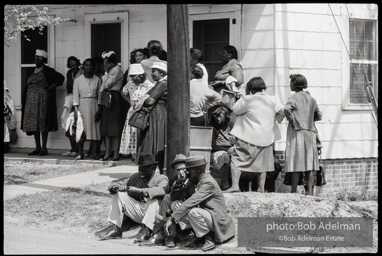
157,187
209,197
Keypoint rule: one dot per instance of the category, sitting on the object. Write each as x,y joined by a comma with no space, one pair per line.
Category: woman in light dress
132,92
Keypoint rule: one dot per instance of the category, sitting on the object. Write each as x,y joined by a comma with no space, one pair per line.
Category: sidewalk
112,171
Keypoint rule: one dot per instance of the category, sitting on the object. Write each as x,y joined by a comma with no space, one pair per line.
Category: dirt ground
84,210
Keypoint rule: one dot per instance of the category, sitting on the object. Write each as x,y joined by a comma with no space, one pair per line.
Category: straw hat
136,69
160,65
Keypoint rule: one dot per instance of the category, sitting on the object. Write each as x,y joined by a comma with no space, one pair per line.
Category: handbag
140,119
106,98
319,176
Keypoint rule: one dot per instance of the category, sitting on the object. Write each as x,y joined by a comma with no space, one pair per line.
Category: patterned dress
36,104
153,139
129,134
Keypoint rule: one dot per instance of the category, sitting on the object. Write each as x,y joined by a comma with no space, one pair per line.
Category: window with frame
364,60
210,36
31,40
106,37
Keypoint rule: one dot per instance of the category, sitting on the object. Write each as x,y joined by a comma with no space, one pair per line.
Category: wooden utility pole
178,85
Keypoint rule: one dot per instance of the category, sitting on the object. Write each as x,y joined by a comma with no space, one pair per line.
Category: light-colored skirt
88,108
251,158
128,137
301,151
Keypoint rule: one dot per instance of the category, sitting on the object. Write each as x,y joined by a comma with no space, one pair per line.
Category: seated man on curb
205,210
138,198
181,189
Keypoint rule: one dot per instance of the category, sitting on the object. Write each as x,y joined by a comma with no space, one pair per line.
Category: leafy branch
18,18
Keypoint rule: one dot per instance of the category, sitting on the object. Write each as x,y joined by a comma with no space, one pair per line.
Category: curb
68,162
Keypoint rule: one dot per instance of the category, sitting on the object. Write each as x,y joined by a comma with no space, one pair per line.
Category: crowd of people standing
106,97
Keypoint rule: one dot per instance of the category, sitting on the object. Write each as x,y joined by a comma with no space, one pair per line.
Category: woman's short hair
89,60
144,51
197,72
154,47
256,84
298,81
72,58
231,50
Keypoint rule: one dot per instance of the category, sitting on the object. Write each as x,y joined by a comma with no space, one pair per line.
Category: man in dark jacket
205,210
137,197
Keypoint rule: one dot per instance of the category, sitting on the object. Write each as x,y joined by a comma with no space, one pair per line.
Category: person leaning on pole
136,199
205,210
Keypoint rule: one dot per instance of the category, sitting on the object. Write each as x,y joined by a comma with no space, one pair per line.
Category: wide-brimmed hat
160,65
180,158
195,161
136,69
145,159
107,54
41,53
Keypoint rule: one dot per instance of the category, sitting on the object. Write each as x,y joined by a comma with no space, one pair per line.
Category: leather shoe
209,244
112,235
147,234
191,240
43,152
104,231
152,241
34,153
169,241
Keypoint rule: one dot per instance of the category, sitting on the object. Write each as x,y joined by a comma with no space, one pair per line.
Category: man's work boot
169,241
146,234
209,243
191,240
104,231
156,239
116,233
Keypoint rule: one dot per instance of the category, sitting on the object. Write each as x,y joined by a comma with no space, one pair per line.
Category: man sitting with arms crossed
181,189
205,210
138,197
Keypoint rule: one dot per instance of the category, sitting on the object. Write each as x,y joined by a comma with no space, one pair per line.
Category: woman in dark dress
153,139
112,118
39,108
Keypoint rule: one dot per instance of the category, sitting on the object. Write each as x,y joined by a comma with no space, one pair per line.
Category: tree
17,18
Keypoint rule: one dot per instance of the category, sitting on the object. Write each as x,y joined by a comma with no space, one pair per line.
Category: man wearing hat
181,189
206,209
138,198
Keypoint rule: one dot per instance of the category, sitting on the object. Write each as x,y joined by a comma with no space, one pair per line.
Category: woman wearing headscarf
301,155
256,132
152,139
112,120
137,87
39,108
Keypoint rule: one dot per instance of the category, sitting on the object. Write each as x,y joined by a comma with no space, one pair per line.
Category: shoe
73,154
34,153
112,235
152,241
147,234
66,154
43,152
191,240
105,158
95,157
116,159
104,231
209,244
79,157
169,241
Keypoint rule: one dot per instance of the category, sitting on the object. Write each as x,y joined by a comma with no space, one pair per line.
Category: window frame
362,12
123,18
51,63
